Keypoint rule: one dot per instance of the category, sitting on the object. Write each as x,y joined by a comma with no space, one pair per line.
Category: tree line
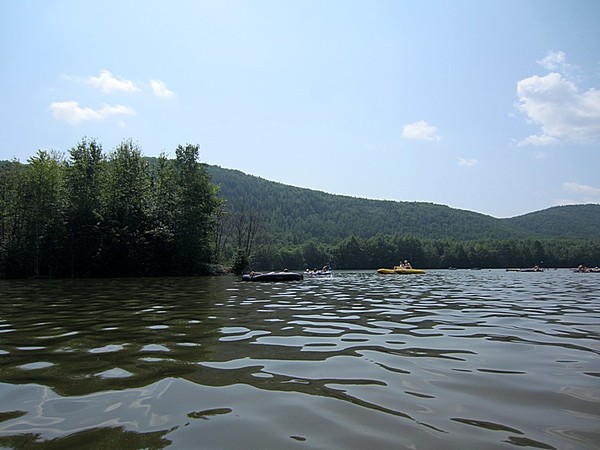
97,214
92,214
389,250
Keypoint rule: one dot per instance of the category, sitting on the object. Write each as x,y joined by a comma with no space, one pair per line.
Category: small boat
399,270
587,270
533,269
272,276
408,271
318,273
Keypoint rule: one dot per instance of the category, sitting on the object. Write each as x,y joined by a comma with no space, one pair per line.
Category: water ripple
456,359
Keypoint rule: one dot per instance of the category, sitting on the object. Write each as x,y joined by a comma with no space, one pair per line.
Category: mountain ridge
295,214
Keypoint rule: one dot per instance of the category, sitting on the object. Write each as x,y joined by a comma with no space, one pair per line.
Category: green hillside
128,215
294,215
572,221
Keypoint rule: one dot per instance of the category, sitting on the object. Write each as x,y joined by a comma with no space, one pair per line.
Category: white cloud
73,114
108,83
579,193
555,62
467,162
160,89
537,140
420,130
587,191
556,104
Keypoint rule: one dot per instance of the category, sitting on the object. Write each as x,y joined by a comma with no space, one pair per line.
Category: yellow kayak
399,270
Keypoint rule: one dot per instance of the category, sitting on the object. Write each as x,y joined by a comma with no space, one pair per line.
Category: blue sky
490,106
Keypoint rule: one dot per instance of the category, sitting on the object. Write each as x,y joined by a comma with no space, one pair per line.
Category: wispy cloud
583,189
160,89
72,113
558,106
556,62
421,131
108,83
579,193
467,162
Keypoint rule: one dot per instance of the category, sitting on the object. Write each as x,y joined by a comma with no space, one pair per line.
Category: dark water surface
449,359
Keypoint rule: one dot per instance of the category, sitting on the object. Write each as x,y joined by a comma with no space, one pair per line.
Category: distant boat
272,276
533,269
324,272
400,271
318,273
587,270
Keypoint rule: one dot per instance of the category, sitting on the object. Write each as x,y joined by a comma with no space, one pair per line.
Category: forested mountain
122,214
571,221
293,215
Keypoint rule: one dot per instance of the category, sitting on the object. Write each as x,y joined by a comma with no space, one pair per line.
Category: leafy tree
162,213
85,176
125,207
44,216
13,213
315,255
195,211
351,253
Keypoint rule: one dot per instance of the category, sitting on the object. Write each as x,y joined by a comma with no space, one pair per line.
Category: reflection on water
449,359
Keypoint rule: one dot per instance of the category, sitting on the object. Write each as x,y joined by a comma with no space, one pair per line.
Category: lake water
450,359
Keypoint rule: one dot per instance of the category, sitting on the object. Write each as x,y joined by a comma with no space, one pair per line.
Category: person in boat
325,268
406,265
582,268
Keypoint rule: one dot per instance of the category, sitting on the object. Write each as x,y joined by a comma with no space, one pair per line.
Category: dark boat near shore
272,276
539,269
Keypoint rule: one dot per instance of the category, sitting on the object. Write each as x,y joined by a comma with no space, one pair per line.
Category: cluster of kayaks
286,275
400,271
397,270
294,276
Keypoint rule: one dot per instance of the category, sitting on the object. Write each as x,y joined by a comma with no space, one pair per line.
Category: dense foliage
303,228
106,215
570,221
389,250
122,214
294,215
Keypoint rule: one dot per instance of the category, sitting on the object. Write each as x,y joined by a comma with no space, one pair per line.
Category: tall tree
13,213
195,211
85,171
125,200
245,224
43,194
161,217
